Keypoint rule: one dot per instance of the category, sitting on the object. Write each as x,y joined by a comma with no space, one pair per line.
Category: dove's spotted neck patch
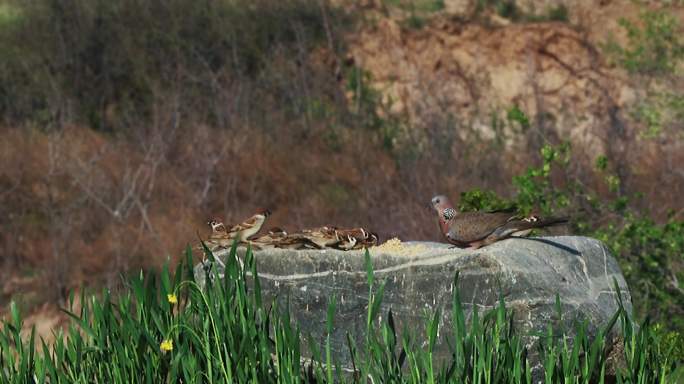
449,213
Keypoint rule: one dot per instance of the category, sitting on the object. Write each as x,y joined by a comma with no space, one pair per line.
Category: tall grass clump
167,328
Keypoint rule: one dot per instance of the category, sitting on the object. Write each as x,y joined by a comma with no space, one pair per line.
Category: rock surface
419,278
476,72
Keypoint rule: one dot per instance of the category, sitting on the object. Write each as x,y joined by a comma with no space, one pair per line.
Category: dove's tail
524,226
545,222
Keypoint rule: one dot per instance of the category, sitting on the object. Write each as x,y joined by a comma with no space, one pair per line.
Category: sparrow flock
478,229
315,238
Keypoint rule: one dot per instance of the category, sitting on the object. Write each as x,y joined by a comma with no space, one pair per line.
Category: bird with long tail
478,229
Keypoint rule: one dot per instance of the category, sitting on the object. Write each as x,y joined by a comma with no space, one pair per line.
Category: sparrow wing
295,241
263,242
217,236
322,237
245,225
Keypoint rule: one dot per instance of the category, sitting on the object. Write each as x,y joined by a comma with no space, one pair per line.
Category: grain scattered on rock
395,246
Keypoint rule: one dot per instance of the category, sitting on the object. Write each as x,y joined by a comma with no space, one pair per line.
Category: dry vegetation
127,124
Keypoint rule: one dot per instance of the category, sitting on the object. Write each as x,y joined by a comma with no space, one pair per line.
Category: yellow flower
166,345
172,298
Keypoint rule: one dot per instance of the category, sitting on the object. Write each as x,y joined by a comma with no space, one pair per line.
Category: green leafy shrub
516,115
478,200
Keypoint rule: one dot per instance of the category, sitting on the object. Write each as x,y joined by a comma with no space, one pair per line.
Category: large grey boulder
419,278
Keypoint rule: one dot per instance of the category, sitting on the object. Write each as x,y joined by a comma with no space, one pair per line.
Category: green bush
516,115
166,328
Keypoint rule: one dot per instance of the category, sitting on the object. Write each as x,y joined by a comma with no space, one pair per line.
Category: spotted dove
478,229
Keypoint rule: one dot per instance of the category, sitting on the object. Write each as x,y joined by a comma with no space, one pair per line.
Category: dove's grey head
440,203
443,207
